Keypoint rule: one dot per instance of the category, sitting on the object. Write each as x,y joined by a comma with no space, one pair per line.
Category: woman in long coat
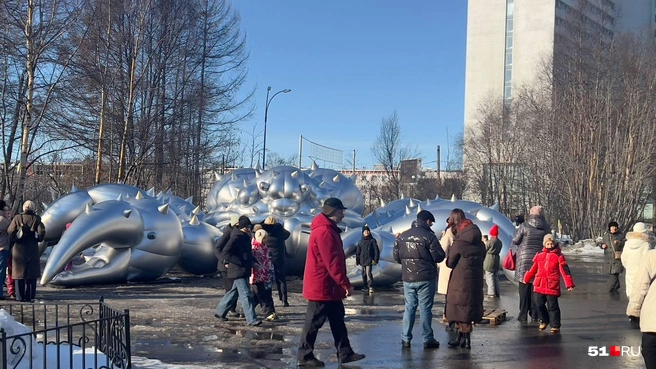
26,267
464,303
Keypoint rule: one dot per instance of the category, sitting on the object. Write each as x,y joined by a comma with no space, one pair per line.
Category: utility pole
439,180
353,161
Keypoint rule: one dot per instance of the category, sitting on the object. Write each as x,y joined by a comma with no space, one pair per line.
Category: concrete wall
534,39
486,39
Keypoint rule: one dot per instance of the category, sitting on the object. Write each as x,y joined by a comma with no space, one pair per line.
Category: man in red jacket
325,285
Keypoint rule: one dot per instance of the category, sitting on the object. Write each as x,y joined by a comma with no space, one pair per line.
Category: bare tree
389,151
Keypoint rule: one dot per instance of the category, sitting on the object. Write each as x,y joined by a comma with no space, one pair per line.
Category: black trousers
262,296
281,280
316,315
25,289
649,349
614,283
549,314
367,276
526,303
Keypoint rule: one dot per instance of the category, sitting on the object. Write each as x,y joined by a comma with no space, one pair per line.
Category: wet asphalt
172,320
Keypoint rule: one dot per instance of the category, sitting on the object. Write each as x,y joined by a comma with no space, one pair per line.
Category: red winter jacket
547,268
325,265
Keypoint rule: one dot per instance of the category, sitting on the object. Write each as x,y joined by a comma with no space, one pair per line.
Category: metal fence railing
67,336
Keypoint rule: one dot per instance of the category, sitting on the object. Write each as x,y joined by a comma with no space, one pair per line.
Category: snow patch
583,247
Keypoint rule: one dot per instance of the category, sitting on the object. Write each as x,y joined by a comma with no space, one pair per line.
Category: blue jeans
4,255
242,290
422,295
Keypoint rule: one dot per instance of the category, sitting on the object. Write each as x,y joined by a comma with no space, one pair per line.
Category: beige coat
636,245
445,272
642,302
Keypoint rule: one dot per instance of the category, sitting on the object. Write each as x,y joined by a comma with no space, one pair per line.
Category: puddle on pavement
257,335
188,352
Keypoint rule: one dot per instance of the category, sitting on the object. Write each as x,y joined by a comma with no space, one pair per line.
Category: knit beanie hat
536,210
366,228
259,235
613,224
494,231
424,216
546,238
640,227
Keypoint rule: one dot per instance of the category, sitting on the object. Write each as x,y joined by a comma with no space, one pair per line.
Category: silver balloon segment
131,235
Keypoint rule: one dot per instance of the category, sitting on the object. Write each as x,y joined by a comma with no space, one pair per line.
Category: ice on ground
583,247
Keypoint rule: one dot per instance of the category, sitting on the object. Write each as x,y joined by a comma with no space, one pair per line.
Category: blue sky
351,63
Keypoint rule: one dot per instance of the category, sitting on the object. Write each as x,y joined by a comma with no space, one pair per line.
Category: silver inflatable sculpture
139,236
397,217
292,195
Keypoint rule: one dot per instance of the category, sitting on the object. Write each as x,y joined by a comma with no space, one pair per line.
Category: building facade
510,41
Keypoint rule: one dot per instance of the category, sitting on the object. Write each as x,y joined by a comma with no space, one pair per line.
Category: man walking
419,251
239,263
613,245
325,286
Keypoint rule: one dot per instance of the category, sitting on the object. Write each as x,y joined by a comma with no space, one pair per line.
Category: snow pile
12,327
21,360
583,247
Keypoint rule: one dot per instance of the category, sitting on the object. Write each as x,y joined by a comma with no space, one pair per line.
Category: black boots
461,339
455,341
466,341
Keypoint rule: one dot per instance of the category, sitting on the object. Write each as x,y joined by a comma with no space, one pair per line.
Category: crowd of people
251,258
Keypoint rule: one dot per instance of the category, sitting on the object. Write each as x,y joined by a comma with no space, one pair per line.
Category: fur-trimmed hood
637,236
637,240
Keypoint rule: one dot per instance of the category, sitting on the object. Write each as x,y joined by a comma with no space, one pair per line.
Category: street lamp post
266,115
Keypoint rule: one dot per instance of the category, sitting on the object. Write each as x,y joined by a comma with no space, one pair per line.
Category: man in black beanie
613,244
418,251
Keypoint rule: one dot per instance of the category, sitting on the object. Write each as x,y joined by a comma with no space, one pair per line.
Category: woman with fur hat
636,245
367,255
261,279
547,268
613,244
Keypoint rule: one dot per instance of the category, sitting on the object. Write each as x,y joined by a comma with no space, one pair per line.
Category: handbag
510,260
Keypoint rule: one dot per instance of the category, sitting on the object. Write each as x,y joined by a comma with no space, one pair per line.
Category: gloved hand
374,262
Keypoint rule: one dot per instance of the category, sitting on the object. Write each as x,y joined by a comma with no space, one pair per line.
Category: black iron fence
66,336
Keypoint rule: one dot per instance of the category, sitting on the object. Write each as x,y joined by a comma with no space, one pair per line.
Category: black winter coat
275,241
25,252
464,301
367,251
418,251
528,238
239,254
220,244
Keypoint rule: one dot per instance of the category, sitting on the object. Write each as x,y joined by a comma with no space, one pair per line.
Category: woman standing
492,260
464,303
275,241
27,231
636,245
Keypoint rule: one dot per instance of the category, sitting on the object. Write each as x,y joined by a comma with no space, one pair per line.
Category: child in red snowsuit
547,268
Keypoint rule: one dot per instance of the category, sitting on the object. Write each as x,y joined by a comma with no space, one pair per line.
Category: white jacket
636,245
642,302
